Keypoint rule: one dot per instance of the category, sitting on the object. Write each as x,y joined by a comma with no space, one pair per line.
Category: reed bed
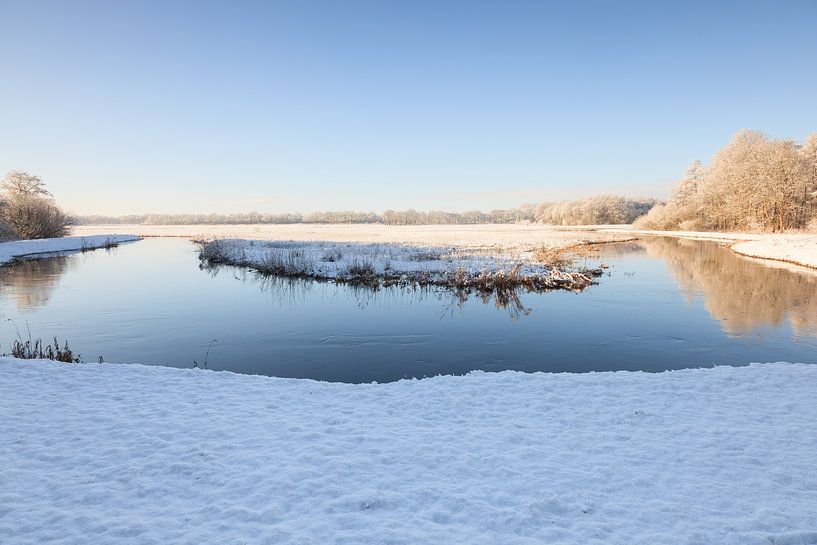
384,265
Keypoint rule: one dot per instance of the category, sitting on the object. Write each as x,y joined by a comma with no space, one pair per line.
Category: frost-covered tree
17,182
808,154
28,211
603,209
753,183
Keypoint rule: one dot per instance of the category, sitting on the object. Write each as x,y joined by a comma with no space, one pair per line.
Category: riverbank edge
788,248
31,249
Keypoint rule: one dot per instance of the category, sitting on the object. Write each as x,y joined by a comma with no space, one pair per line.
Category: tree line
389,217
754,183
600,210
606,209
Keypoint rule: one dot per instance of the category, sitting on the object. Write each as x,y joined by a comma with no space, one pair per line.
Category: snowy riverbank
23,248
795,248
789,249
103,453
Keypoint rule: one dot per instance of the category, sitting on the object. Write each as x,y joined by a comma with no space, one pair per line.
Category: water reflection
742,294
151,303
30,283
289,292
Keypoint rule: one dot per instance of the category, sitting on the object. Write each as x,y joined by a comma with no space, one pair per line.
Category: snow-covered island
399,264
26,248
130,454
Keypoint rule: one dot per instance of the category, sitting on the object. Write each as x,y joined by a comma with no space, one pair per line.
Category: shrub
36,350
28,211
287,262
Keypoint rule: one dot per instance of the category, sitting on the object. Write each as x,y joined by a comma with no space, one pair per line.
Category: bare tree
23,183
28,211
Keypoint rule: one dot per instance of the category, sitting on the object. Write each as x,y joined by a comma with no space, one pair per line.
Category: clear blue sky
299,106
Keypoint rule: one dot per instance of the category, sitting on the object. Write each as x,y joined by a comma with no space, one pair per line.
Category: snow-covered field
506,237
394,264
22,248
105,453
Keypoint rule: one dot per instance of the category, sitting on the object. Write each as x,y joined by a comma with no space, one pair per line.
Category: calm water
665,304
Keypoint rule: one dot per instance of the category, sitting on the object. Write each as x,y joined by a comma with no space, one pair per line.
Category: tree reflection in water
30,283
744,295
293,291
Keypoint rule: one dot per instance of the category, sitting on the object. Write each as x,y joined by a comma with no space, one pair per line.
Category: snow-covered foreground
103,453
22,248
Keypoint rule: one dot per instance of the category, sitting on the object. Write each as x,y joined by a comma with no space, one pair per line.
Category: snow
505,236
800,250
21,248
797,248
106,453
794,248
333,260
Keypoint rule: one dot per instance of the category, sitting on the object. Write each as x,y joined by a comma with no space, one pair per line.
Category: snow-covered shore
104,453
795,248
22,248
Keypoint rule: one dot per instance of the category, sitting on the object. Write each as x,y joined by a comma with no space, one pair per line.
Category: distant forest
607,209
752,184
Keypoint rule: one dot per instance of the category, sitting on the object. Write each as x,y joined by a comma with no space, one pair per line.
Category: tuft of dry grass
362,272
37,350
332,256
566,256
214,251
285,262
425,256
553,256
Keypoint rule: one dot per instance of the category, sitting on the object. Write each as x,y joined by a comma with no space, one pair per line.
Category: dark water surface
665,304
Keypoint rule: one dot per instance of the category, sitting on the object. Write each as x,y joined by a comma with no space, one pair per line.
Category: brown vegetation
37,350
291,262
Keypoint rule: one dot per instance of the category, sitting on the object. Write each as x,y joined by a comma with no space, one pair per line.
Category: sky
182,107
